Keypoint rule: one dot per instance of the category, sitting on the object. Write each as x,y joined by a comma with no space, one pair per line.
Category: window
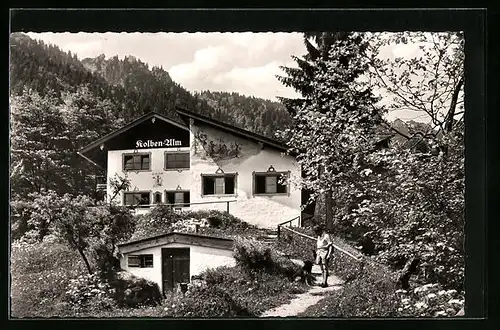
136,162
269,184
176,160
219,184
158,198
178,197
141,260
136,198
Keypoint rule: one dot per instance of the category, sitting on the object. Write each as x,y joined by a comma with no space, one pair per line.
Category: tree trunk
409,269
329,210
451,112
82,254
323,212
85,260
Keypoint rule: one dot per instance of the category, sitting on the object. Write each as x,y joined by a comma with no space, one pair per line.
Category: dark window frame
124,155
144,260
167,202
277,174
156,194
136,193
222,175
166,153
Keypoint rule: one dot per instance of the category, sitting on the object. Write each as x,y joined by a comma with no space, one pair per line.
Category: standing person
324,247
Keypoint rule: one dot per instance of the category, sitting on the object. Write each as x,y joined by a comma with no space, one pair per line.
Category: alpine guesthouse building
200,163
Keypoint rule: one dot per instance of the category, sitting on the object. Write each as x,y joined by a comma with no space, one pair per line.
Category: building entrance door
175,267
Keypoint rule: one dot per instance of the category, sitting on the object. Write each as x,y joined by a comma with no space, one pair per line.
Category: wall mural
157,179
216,149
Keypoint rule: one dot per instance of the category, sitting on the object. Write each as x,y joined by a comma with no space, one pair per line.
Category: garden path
302,301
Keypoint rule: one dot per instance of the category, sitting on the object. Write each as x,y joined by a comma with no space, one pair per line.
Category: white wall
263,211
201,258
143,180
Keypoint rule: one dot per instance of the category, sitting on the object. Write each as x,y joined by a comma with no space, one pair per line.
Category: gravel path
302,301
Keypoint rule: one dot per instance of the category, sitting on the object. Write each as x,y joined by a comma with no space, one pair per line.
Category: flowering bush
90,292
219,219
430,300
158,221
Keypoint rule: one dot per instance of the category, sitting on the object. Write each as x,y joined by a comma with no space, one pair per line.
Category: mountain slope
255,114
132,87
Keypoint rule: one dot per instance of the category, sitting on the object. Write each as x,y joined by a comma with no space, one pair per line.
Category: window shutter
179,197
219,186
187,197
145,162
271,183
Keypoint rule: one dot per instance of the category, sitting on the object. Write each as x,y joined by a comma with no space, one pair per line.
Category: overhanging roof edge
127,127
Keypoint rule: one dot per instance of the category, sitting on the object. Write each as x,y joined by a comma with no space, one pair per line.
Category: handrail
285,222
288,221
334,245
183,204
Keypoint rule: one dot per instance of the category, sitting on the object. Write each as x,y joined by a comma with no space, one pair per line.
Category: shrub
89,293
158,221
344,266
219,275
295,246
219,219
365,296
132,291
256,290
40,274
207,301
254,256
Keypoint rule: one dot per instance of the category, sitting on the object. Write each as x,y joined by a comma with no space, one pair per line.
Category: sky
246,63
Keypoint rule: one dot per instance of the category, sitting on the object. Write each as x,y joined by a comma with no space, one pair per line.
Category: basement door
175,267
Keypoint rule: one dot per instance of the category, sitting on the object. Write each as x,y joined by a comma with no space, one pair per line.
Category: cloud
246,63
88,48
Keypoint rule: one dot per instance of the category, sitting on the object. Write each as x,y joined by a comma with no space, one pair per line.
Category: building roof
232,129
91,151
131,124
177,237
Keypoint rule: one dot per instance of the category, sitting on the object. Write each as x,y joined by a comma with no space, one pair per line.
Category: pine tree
333,122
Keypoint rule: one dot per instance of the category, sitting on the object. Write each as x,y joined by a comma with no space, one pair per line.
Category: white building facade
200,164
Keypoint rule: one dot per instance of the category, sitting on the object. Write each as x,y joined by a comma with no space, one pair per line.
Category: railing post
227,207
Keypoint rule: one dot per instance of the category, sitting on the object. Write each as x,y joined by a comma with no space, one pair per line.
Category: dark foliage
132,291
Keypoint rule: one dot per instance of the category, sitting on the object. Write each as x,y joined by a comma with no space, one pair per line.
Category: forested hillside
131,86
74,102
254,114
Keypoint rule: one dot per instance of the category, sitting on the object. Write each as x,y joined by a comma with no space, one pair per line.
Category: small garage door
175,267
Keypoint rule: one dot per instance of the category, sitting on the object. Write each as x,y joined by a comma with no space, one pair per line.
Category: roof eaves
172,234
232,129
127,127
